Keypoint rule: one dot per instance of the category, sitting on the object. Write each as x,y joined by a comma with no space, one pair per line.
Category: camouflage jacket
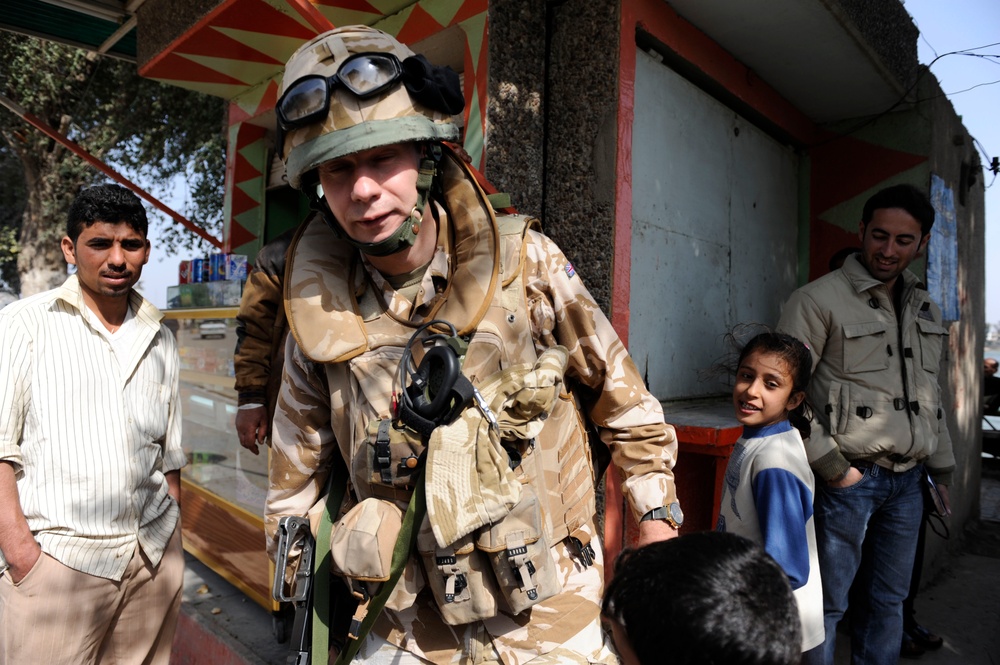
516,294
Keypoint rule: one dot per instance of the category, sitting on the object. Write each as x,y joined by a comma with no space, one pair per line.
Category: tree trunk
40,263
41,267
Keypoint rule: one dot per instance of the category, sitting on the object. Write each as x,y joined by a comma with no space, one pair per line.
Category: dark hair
905,197
112,204
799,360
706,598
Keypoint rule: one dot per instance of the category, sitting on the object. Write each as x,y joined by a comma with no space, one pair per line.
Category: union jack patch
570,270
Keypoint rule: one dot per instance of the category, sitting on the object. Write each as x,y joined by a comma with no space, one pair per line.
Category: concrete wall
582,138
950,147
913,145
515,118
886,29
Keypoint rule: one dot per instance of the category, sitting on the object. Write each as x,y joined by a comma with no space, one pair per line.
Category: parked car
212,328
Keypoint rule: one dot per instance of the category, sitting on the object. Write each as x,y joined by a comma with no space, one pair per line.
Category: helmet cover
352,124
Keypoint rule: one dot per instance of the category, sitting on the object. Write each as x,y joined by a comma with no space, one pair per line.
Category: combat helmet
356,88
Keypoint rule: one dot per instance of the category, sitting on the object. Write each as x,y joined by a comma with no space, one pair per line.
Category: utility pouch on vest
361,542
393,454
460,578
519,553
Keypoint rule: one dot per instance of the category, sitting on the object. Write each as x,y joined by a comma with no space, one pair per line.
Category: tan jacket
516,294
875,385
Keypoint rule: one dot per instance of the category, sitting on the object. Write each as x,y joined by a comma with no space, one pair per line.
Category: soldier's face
890,242
372,192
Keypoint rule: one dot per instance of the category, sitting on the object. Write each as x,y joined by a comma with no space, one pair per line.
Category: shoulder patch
570,270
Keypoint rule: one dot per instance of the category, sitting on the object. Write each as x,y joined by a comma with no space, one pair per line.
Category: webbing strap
321,562
405,543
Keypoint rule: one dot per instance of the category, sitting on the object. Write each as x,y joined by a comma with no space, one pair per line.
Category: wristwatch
671,514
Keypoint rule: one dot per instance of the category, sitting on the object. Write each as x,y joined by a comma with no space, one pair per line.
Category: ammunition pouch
361,542
519,554
459,577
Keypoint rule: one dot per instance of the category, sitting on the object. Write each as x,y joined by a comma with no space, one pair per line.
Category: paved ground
220,626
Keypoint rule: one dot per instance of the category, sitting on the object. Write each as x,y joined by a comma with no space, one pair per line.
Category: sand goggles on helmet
364,74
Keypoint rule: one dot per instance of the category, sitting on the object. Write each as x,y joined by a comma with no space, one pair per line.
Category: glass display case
223,485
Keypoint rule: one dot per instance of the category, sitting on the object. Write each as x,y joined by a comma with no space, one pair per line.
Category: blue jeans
884,508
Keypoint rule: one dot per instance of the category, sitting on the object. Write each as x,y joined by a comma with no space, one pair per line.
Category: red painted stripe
350,5
469,9
259,16
173,67
215,44
419,25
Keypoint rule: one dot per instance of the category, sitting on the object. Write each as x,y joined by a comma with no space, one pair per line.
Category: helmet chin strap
403,237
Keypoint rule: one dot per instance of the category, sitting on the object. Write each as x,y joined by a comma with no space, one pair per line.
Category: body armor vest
340,323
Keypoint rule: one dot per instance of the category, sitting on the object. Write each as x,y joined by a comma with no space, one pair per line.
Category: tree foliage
137,125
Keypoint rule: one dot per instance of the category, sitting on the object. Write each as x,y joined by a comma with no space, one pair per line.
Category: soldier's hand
652,531
252,427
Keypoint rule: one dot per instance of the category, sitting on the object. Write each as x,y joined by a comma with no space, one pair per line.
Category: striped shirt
90,433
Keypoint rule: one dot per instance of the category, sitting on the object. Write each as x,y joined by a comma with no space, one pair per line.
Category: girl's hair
799,360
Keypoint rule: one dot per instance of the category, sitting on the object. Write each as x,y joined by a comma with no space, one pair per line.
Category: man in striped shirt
90,455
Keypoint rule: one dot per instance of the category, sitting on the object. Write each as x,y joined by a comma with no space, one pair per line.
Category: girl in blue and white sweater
768,494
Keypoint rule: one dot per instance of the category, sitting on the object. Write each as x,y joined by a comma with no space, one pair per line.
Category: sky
971,82
162,269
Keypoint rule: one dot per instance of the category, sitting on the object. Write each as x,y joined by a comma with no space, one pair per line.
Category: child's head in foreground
706,598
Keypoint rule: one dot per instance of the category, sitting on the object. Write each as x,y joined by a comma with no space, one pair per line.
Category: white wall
714,229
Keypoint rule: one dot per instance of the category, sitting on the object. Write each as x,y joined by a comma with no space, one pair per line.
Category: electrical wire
993,164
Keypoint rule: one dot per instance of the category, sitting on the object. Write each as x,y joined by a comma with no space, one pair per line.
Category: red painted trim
312,15
708,436
614,520
621,285
621,270
662,22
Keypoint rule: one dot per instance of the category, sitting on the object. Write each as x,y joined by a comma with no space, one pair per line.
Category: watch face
676,514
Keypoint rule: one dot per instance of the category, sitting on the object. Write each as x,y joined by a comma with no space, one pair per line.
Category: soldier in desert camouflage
507,566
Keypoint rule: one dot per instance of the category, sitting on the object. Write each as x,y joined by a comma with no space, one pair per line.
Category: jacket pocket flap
853,330
931,328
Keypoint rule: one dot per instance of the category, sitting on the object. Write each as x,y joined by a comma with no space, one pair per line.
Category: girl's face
763,392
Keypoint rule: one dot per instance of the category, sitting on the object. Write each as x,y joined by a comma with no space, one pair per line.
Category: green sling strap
405,543
321,562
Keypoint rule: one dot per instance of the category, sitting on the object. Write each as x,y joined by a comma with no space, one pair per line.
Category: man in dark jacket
261,329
